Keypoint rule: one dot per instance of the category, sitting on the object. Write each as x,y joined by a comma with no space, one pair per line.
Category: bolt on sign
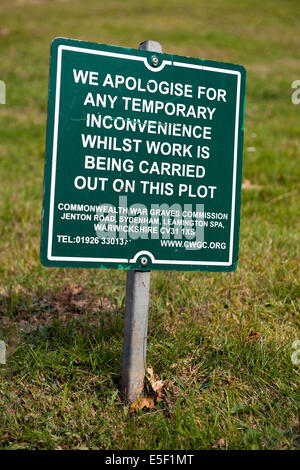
143,160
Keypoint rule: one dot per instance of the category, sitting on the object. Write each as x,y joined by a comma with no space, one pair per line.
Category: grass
220,342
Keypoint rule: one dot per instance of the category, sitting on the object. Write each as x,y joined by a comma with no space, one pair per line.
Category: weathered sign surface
143,160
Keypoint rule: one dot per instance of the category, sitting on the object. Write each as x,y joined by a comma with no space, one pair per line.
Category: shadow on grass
64,336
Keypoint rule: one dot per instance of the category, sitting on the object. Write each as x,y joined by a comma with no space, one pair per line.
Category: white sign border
61,48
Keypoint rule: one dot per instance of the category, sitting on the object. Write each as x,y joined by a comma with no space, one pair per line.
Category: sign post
143,170
136,313
135,334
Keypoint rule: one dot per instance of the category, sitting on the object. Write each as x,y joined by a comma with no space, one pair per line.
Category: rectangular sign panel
143,160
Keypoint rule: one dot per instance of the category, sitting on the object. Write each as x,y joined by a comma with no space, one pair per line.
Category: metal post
136,316
153,46
135,334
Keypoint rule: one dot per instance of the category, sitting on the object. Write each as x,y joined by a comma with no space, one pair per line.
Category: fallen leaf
156,384
74,290
222,442
253,335
141,403
227,381
248,185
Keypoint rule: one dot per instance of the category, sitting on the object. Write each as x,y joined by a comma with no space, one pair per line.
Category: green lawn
221,342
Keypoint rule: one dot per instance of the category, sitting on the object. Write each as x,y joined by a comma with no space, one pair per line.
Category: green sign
143,160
